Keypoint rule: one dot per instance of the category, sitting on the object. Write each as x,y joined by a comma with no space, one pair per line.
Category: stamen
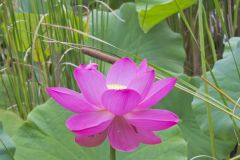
116,86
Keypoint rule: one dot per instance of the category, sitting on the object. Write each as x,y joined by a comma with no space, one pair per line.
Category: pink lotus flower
117,106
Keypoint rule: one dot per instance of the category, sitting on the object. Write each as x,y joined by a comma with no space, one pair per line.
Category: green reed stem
203,61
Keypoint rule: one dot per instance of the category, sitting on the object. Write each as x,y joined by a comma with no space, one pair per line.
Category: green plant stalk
145,13
11,37
19,67
5,87
220,15
210,39
102,24
235,15
204,70
186,22
112,153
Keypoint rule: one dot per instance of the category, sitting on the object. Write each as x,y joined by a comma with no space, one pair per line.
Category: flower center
116,86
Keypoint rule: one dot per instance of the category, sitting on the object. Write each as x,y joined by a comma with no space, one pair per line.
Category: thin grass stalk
186,22
204,70
210,39
235,15
7,10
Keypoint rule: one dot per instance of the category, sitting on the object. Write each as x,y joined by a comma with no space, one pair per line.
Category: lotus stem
112,153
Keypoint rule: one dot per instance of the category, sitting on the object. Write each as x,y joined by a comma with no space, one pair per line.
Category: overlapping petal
120,102
69,99
158,91
91,83
147,137
152,120
122,135
122,72
143,67
91,140
89,123
142,82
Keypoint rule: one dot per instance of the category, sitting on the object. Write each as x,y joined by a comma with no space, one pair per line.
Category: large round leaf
228,80
150,13
7,146
161,46
45,137
198,142
9,123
